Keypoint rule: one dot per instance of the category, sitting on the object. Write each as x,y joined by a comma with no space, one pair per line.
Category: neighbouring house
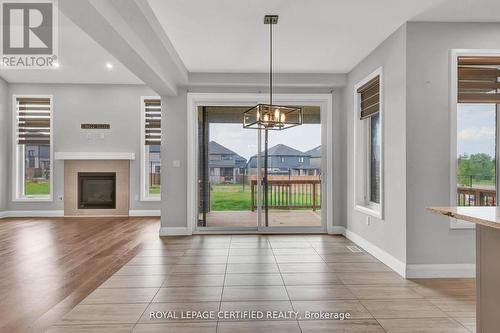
285,160
37,161
315,159
224,165
154,164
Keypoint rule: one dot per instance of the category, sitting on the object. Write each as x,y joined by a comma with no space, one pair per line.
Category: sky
244,141
476,129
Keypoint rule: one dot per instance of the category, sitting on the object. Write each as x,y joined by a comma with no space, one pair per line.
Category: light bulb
276,115
258,115
283,117
266,117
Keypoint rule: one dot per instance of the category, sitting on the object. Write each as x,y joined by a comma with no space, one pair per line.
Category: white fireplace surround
94,156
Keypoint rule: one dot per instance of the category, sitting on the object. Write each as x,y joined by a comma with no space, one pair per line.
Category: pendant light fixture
271,116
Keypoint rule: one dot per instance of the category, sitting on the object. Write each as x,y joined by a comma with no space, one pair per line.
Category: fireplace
96,190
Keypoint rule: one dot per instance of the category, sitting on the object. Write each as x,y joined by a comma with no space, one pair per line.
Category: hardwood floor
49,265
107,275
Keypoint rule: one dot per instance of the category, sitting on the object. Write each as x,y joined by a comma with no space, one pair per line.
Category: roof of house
315,152
215,148
284,150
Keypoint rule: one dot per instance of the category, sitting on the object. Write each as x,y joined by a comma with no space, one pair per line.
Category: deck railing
290,194
475,196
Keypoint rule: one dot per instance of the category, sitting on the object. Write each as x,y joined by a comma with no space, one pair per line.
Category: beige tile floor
269,273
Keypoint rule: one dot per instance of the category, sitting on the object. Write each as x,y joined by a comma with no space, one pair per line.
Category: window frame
453,104
144,194
362,160
19,168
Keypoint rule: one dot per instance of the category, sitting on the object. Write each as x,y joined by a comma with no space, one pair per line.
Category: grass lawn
155,189
232,197
38,188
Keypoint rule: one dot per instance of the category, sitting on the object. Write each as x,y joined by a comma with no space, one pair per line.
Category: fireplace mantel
93,156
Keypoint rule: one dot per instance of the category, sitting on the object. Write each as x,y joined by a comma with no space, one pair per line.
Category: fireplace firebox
96,190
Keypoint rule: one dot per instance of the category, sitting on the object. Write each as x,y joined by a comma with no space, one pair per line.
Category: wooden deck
295,218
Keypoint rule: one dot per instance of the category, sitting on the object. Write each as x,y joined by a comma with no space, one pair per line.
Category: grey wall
118,105
339,159
430,240
388,234
174,148
4,105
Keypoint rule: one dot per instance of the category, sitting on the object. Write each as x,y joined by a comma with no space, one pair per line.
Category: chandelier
271,116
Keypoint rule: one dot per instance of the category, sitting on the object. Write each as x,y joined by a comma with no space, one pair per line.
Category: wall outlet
368,220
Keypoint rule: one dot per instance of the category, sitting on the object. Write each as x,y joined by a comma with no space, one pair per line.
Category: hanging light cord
271,63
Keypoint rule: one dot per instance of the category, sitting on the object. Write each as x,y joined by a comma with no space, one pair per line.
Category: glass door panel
227,170
294,168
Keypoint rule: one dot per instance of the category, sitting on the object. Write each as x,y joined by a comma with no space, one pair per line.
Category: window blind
152,109
478,79
369,98
33,120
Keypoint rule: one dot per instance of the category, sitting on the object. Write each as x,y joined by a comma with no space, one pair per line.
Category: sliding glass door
236,191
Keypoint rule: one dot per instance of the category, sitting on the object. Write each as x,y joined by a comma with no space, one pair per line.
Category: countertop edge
447,211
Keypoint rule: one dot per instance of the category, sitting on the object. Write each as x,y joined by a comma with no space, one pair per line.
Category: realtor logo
29,34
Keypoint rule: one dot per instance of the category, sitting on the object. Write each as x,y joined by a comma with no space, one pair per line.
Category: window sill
33,199
369,210
151,199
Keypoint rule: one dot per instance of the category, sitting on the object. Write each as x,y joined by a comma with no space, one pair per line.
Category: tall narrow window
33,148
151,156
369,100
368,145
477,109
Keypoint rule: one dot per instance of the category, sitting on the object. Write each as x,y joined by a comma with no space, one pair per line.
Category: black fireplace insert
96,190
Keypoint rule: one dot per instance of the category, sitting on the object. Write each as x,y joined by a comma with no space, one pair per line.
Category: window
477,113
33,148
368,145
301,159
282,159
151,156
374,158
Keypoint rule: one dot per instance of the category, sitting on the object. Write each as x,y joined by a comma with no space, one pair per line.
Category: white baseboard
3,214
175,231
441,271
337,230
142,212
395,264
33,213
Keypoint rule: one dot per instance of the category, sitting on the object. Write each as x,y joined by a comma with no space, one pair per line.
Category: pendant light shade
271,116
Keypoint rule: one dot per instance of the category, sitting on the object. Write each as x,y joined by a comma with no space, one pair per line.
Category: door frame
324,101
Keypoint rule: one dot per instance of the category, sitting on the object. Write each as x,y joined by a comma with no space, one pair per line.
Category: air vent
354,248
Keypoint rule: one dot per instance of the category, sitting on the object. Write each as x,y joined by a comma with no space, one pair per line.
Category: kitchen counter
487,220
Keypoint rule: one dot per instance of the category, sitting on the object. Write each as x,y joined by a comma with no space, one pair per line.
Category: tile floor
269,273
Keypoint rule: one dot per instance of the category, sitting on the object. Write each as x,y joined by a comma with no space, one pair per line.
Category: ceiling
81,60
228,36
311,36
462,11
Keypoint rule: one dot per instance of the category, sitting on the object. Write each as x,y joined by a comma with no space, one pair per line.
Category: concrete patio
277,218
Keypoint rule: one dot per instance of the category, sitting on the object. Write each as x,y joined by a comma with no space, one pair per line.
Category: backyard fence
290,194
154,178
475,196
